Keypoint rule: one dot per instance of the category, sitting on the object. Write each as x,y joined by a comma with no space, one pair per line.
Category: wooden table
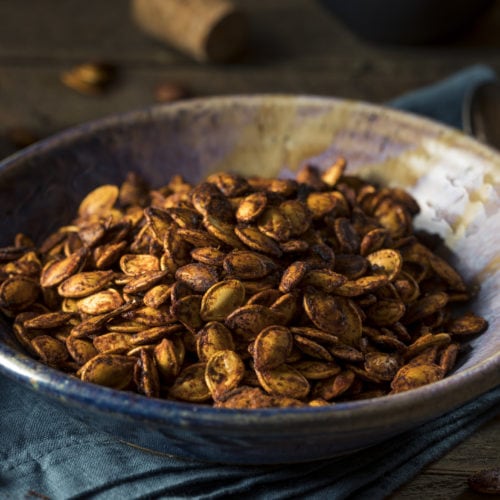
295,47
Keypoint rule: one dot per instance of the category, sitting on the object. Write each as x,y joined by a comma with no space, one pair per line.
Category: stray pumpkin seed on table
240,293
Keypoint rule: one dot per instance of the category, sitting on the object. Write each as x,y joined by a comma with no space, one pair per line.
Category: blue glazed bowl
455,179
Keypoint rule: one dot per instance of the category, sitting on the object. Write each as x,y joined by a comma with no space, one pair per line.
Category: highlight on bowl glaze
455,179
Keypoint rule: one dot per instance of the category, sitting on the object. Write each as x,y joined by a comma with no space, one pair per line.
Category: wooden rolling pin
207,30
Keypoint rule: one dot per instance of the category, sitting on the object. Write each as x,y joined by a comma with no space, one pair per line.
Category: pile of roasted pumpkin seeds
241,293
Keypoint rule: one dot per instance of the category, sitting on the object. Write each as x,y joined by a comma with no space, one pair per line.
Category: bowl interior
455,180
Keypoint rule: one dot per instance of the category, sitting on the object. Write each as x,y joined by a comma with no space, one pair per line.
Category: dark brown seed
170,92
199,277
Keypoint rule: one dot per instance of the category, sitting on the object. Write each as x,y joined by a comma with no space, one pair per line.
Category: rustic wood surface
295,47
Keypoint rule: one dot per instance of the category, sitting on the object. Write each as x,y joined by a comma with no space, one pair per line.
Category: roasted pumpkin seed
241,293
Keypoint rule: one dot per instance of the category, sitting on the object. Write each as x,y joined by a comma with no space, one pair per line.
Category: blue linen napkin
46,454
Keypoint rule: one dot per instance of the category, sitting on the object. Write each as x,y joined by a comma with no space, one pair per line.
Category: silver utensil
481,113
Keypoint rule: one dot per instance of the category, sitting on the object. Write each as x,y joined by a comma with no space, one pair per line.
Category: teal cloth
45,453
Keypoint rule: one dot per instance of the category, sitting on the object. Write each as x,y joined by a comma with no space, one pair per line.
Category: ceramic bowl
455,179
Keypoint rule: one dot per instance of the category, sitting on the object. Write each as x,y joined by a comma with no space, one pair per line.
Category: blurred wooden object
207,30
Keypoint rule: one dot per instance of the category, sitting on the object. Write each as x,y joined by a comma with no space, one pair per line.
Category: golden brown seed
467,324
111,370
154,334
324,311
223,231
186,219
209,201
448,357
265,297
312,348
387,262
190,384
107,255
292,276
213,337
48,320
255,240
446,272
426,341
406,287
80,350
99,201
91,78
350,266
159,221
49,349
208,255
150,317
382,365
427,305
345,352
198,277
253,287
394,218
386,312
187,311
283,187
124,326
360,286
100,302
83,284
284,381
224,371
157,295
286,306
312,333
324,279
248,321
144,281
346,235
18,293
321,204
373,240
245,397
170,92
334,386
273,223
316,370
169,356
112,343
146,375
294,246
251,207
247,265
333,173
272,347
298,216
58,270
229,184
413,376
197,238
221,299
134,264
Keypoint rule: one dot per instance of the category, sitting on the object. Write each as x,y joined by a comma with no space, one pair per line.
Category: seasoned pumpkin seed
241,293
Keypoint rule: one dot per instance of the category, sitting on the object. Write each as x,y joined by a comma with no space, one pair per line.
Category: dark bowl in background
406,21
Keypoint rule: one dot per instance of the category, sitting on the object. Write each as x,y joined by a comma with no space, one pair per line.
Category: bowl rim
466,384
